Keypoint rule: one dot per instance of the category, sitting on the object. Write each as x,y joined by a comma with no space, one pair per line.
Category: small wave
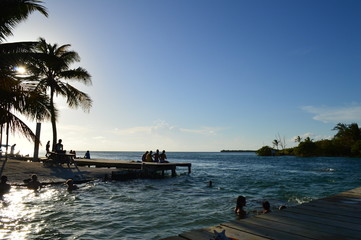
328,170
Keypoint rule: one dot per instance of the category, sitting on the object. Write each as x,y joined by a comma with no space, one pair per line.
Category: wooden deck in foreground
146,166
333,218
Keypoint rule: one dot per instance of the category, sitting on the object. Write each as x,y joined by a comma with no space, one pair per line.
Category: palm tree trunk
6,151
53,118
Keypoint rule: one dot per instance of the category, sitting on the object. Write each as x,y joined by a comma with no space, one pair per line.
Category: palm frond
12,12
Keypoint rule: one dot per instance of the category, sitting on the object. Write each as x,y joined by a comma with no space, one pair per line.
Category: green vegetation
345,143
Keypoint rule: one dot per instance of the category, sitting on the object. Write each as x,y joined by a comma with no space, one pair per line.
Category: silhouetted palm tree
15,98
53,73
13,12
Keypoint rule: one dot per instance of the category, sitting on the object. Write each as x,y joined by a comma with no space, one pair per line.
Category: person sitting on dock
163,157
149,157
59,147
266,207
71,185
34,183
87,155
144,156
156,156
4,186
241,202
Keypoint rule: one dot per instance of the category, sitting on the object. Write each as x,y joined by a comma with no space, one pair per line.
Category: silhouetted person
156,156
266,207
47,148
241,202
163,157
144,157
59,146
87,155
4,186
71,185
34,183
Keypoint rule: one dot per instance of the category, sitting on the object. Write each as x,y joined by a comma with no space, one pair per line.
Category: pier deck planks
131,164
336,217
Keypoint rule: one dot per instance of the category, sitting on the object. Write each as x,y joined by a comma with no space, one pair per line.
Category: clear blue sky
205,75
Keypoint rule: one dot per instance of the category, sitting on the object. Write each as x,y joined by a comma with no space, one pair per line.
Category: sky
203,75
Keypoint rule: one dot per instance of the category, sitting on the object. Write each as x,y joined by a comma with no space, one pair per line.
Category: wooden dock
333,218
133,165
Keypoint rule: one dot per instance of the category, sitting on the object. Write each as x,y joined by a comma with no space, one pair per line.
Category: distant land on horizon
238,150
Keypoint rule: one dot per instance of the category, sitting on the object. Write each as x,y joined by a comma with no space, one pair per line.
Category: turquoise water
158,208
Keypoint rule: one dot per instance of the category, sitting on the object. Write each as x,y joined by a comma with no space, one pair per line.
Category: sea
159,208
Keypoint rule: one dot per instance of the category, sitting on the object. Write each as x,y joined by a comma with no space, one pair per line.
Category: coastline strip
334,217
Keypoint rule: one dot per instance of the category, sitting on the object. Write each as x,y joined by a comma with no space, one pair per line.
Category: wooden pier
333,218
148,167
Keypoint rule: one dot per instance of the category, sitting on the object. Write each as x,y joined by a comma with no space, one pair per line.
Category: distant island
238,150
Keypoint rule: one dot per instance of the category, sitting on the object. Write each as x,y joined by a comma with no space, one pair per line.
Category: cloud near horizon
161,126
335,114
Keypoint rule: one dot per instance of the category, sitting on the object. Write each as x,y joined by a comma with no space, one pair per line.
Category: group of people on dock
59,148
148,156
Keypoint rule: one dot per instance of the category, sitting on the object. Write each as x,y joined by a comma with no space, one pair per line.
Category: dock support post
173,172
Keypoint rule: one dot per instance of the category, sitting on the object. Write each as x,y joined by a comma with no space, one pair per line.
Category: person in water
71,185
4,186
241,202
266,207
34,183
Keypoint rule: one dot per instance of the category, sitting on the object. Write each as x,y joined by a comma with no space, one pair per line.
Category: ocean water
158,208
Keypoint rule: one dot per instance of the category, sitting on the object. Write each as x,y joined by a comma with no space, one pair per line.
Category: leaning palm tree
53,74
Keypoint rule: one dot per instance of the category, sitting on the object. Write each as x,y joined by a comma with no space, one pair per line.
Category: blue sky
200,75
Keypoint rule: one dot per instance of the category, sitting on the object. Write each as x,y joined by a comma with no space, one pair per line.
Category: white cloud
157,126
335,114
208,131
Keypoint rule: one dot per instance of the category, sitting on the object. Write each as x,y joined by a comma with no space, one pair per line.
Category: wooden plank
249,227
288,227
235,233
208,233
332,210
349,234
329,216
318,219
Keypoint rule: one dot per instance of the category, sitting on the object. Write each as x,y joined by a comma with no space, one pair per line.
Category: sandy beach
18,170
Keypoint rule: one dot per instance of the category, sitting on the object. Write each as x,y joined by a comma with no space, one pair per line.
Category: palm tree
13,97
53,73
13,12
